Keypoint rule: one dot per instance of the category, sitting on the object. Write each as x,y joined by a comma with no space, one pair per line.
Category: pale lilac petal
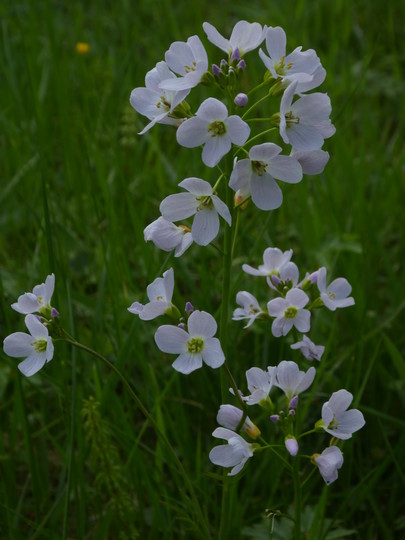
281,326
215,38
178,206
321,279
303,137
196,186
185,244
215,149
205,226
27,303
302,321
297,298
193,132
340,401
264,152
312,162
32,364
212,109
253,271
329,462
246,36
277,306
212,353
266,193
18,345
187,362
237,129
276,42
274,258
36,328
153,309
340,287
306,381
202,324
171,339
240,177
136,308
168,283
285,168
222,209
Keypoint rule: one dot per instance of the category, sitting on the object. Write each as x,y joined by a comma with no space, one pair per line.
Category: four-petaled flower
275,263
155,103
245,37
336,295
337,420
259,383
291,380
160,294
234,454
328,463
309,349
188,60
250,309
229,417
212,127
36,346
301,66
199,202
305,123
167,236
257,174
289,312
37,301
194,346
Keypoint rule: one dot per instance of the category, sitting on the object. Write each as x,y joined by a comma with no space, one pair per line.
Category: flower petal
171,339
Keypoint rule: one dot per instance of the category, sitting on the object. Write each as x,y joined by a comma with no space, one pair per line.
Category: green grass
79,186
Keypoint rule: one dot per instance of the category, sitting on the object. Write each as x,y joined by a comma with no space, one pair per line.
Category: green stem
298,501
204,528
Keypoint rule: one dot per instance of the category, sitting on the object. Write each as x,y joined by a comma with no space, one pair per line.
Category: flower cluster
302,121
37,346
293,306
336,419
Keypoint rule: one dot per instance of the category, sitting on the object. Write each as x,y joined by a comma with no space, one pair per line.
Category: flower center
40,345
205,202
217,128
195,345
163,104
331,295
193,66
281,67
259,167
290,312
253,309
291,119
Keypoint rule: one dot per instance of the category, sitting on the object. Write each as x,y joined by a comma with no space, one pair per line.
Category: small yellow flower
82,47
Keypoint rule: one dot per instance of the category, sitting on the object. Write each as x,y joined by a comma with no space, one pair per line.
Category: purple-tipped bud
54,313
313,278
241,65
275,280
291,445
291,412
274,418
241,100
223,63
189,308
293,403
182,326
216,70
235,55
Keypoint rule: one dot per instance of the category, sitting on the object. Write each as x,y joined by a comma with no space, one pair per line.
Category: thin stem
298,501
260,134
255,105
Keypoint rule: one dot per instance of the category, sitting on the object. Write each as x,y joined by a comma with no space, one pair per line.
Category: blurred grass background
77,460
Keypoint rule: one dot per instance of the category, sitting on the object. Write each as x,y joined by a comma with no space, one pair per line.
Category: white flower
155,103
257,174
259,383
199,202
309,349
291,380
337,420
167,236
337,294
160,294
36,346
306,123
275,262
234,454
250,308
304,67
245,37
212,127
312,162
38,301
289,312
230,416
188,60
195,346
329,462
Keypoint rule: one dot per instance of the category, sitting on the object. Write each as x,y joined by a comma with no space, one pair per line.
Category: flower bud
189,308
241,100
223,64
216,70
293,403
230,416
235,55
241,65
274,418
291,445
54,313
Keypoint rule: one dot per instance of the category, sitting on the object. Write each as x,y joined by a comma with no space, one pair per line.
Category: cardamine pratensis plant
250,168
